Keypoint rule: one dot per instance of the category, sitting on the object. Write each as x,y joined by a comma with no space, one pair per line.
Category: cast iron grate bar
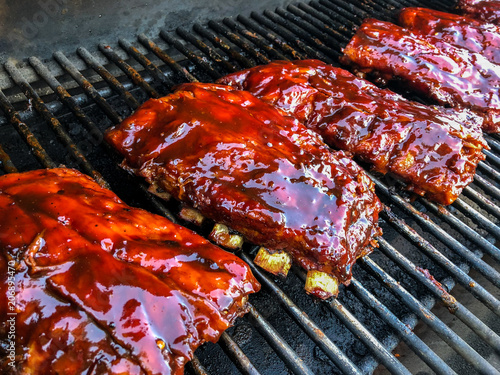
403,331
68,66
221,29
128,70
446,334
284,351
439,291
25,132
229,66
108,77
483,202
256,39
153,47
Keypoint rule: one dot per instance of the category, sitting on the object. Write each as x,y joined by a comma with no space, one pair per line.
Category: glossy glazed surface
102,286
485,10
461,31
434,150
452,76
242,163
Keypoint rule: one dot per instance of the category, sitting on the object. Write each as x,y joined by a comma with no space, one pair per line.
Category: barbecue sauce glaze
240,162
460,31
102,287
483,10
452,76
435,150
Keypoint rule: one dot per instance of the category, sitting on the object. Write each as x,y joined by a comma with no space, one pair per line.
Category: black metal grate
62,112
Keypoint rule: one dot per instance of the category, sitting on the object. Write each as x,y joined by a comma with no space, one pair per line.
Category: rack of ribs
434,150
449,75
102,287
460,31
241,162
483,10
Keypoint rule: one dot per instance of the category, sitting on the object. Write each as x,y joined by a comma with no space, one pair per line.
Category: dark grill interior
54,112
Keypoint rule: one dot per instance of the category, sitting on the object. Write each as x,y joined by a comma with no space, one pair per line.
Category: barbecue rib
102,287
483,10
460,31
240,162
450,75
434,150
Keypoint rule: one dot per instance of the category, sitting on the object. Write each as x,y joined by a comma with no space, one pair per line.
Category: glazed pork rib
240,162
102,287
483,10
450,75
460,31
434,150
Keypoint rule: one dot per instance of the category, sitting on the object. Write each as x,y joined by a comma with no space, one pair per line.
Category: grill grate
391,288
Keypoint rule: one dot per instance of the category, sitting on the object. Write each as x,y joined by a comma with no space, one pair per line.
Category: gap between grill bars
285,330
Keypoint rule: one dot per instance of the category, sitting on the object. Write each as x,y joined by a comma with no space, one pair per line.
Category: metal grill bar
6,162
148,43
292,360
279,30
272,37
307,325
155,72
492,158
483,202
54,123
490,171
443,236
239,42
68,66
198,60
217,41
205,48
348,11
66,98
485,245
478,217
304,33
359,330
274,54
439,291
465,280
108,77
404,332
234,351
487,186
446,334
93,130
26,133
493,142
128,70
323,29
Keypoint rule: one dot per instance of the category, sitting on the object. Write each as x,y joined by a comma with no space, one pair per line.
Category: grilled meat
483,10
435,150
102,287
460,31
240,162
450,75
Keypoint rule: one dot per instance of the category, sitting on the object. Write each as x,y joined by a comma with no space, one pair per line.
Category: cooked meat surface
240,162
450,75
484,10
102,287
435,150
460,31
